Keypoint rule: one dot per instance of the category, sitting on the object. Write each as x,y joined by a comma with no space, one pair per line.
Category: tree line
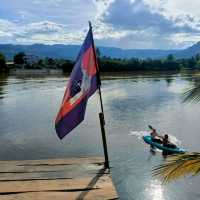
3,66
106,64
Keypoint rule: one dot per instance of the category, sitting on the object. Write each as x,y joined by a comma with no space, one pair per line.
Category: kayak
148,140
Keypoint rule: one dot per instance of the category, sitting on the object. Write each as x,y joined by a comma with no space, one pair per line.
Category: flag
82,84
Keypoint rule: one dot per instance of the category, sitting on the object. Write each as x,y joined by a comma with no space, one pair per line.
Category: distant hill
71,51
189,52
41,50
135,53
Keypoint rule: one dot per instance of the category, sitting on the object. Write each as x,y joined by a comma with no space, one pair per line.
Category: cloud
152,23
176,7
139,40
55,21
121,23
7,29
75,13
183,12
44,27
136,15
48,2
6,25
31,26
38,32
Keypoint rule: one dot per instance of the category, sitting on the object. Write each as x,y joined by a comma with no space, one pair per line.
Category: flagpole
101,114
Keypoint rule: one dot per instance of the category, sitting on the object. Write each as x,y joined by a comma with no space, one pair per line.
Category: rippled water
28,106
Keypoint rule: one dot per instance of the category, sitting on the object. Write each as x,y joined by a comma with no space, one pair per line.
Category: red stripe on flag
67,107
88,62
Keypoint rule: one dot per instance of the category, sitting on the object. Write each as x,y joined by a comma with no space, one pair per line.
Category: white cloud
181,11
49,2
178,7
6,25
121,23
101,7
38,32
104,31
159,23
65,38
185,39
44,27
7,29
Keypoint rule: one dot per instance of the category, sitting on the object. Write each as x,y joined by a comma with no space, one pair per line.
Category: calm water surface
28,106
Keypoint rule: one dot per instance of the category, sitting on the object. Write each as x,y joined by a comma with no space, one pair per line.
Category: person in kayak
167,143
155,136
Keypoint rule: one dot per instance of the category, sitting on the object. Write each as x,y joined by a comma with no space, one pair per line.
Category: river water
28,106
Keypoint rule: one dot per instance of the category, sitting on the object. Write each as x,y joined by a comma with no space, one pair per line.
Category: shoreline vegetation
22,62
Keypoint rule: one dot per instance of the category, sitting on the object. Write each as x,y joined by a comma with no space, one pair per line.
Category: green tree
40,62
170,57
2,62
197,64
67,66
19,58
98,52
50,61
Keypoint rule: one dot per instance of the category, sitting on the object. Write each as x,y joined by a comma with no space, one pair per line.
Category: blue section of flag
82,84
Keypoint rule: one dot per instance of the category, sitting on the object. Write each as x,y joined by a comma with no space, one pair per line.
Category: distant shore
60,72
36,72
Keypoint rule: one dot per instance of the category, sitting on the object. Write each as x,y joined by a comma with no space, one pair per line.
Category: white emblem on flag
84,86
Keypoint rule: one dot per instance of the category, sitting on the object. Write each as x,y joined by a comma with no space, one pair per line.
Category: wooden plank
48,175
70,161
45,168
99,194
45,185
102,189
74,178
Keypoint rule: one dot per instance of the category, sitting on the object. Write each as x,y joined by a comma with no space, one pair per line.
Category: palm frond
177,166
192,94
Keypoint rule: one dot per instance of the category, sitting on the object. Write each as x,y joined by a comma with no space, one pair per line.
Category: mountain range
71,51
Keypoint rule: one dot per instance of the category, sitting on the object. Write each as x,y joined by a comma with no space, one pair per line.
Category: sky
128,24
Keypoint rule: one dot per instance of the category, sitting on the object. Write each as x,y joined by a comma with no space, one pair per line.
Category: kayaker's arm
154,133
160,136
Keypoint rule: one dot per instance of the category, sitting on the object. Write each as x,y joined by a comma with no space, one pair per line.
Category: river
28,107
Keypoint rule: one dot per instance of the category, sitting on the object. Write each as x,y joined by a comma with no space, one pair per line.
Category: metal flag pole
101,114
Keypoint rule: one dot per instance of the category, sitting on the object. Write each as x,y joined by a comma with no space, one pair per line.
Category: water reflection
154,190
122,97
169,81
3,83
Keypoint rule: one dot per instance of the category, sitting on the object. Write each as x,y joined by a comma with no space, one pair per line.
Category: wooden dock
56,179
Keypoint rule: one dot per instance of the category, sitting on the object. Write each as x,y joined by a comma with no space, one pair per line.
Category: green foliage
19,58
134,64
3,66
108,64
98,53
50,61
67,66
170,57
178,166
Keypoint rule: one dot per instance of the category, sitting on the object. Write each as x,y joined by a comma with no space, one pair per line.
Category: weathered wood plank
47,168
48,175
60,161
76,178
99,194
45,185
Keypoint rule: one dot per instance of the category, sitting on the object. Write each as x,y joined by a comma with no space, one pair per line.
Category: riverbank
35,72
